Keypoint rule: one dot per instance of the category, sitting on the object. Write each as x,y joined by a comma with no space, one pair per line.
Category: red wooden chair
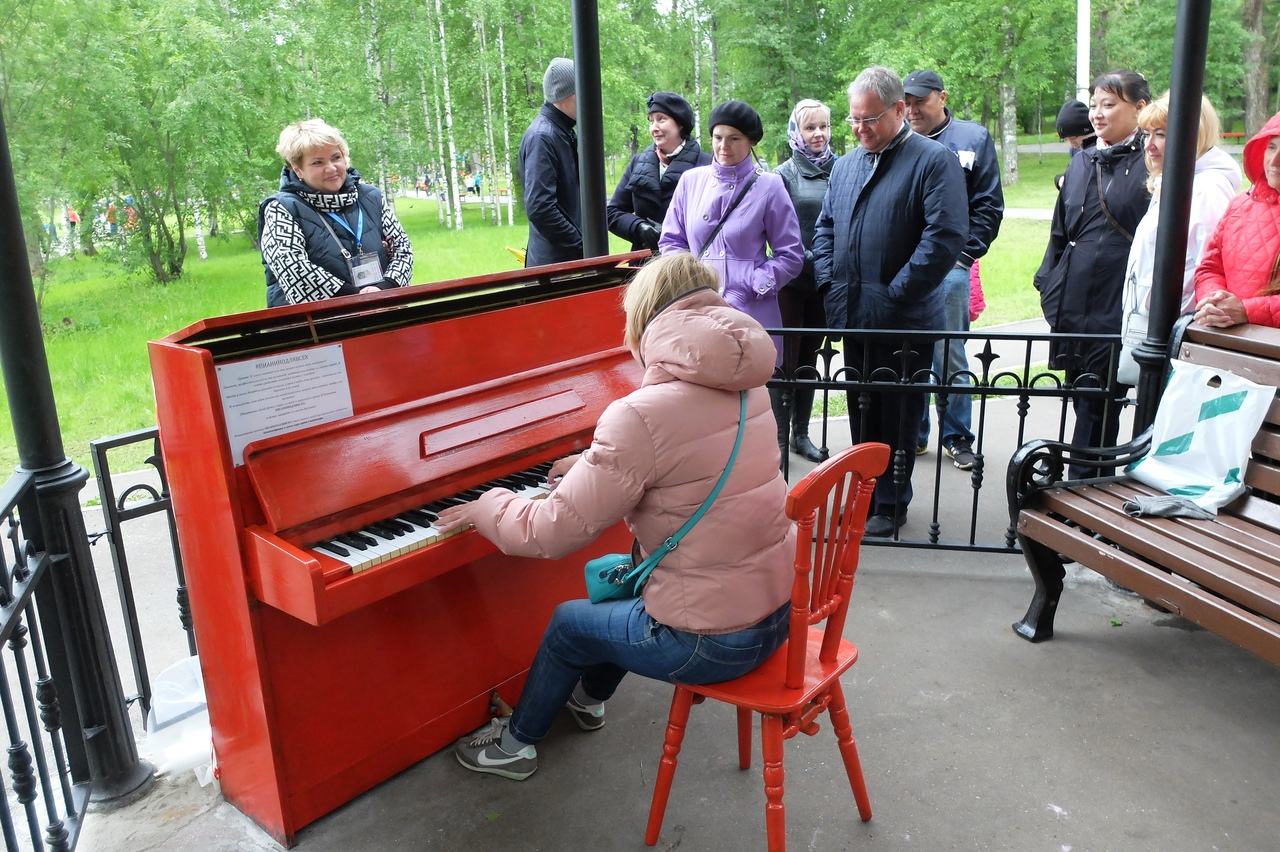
792,688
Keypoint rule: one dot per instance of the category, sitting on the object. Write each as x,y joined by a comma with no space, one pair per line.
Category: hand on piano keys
417,528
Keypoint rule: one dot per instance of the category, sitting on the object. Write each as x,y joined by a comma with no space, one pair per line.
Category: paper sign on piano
277,394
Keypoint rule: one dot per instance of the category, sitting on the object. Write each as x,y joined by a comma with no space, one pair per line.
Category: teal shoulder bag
612,577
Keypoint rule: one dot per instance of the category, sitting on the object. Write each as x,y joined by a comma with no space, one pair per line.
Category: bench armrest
1041,464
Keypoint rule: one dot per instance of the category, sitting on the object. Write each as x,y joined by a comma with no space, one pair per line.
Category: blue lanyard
359,224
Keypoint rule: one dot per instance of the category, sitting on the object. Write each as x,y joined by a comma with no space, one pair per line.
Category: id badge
366,271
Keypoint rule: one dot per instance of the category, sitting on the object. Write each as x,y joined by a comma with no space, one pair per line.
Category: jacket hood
699,339
1254,150
1219,163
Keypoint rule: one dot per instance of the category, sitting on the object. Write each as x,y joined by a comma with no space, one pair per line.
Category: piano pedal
497,706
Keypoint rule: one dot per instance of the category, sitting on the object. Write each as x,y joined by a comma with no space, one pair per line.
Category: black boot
780,400
800,442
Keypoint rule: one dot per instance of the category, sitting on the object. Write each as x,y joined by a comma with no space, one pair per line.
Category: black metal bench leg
1048,571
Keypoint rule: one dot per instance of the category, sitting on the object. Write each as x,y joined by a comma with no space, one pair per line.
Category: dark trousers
890,416
1095,427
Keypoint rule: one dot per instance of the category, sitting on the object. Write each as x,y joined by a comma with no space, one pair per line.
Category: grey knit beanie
557,83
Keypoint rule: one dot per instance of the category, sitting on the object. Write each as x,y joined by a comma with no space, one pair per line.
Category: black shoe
801,445
882,526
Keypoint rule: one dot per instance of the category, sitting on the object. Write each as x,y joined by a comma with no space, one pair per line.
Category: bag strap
725,218
1106,211
642,571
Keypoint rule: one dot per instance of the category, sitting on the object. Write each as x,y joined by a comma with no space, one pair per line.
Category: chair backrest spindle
830,508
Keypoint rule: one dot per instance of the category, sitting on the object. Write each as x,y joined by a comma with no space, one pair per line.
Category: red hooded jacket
1243,254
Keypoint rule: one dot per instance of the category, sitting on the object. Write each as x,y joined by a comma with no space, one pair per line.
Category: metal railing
137,501
1016,398
50,786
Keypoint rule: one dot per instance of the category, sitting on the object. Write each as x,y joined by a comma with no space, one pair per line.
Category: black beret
739,116
675,106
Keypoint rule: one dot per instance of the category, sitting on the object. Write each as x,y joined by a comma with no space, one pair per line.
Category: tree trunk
1008,108
488,127
506,131
1256,91
441,183
195,217
426,122
448,121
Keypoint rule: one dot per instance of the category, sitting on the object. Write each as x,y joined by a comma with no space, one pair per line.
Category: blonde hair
807,106
302,136
659,283
1155,116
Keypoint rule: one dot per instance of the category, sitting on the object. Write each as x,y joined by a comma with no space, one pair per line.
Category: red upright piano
288,433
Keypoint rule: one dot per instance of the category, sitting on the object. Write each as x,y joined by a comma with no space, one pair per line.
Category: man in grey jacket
893,223
928,115
549,171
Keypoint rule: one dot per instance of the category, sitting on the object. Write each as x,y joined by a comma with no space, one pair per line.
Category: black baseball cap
920,83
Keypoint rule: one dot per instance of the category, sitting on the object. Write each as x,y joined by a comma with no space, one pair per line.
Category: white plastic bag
1202,435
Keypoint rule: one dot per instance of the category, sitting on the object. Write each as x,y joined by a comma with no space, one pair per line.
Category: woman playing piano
325,233
716,606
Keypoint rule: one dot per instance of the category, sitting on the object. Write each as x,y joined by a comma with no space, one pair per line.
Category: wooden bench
1223,574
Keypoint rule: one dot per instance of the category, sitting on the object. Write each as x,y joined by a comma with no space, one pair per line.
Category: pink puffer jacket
1241,256
656,455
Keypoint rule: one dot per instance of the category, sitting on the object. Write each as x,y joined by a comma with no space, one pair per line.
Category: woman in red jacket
1238,279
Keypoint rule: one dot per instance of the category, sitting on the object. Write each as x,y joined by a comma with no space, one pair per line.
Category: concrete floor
1131,730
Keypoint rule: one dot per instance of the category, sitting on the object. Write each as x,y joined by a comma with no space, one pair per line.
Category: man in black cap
927,113
892,225
640,202
549,171
1074,127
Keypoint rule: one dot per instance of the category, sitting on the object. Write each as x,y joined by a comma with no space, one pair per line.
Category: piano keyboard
413,529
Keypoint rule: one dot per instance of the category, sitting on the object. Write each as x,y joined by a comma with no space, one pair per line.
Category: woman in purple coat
730,214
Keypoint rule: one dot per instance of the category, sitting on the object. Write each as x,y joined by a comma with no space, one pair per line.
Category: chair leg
744,737
775,812
839,714
681,702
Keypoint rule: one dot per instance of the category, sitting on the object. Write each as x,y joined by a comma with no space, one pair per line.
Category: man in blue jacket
893,223
549,171
927,113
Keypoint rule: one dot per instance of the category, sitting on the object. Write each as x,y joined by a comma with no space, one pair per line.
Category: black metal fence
1015,396
137,501
49,777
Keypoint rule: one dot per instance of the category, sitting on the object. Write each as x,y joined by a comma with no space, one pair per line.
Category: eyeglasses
855,123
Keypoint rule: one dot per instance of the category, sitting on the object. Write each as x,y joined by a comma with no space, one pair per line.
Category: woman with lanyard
325,233
729,214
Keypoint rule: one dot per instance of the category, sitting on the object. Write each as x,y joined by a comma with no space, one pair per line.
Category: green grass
1007,271
98,318
1035,186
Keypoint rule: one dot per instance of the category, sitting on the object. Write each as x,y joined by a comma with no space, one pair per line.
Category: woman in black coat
806,176
640,202
1081,280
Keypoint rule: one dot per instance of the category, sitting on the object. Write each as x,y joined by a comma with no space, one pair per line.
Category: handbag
612,577
1203,434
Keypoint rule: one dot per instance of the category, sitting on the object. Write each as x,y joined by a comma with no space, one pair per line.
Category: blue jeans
951,362
600,643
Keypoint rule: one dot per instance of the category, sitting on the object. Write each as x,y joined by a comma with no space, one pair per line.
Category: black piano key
379,530
353,539
334,548
398,524
421,517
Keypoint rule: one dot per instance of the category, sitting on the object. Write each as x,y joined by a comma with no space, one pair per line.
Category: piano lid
281,329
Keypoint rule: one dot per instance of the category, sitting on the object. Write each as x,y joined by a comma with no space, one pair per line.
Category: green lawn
98,318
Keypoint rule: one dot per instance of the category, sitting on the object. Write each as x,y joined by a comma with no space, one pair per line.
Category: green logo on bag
1174,446
1222,405
1192,491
